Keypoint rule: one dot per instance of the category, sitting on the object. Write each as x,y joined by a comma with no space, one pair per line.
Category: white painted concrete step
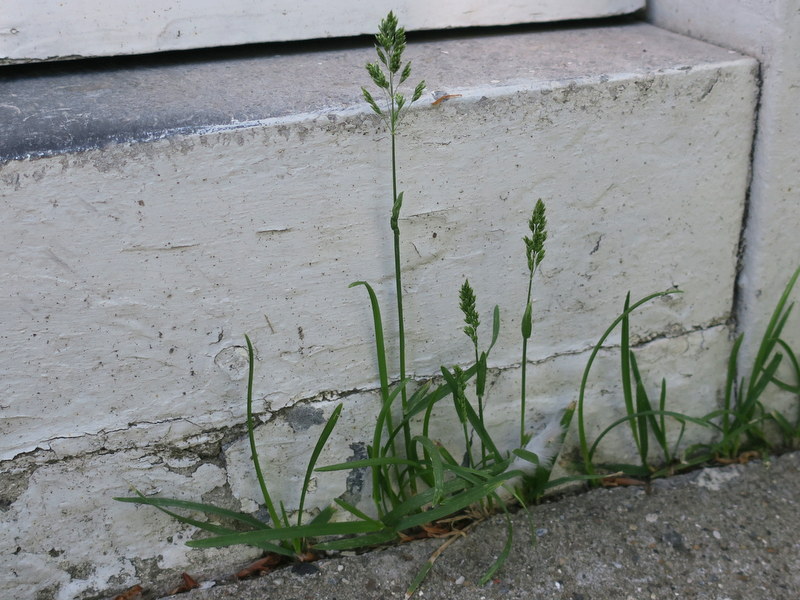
154,214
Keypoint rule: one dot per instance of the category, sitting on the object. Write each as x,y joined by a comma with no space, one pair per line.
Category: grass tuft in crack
737,428
416,480
742,418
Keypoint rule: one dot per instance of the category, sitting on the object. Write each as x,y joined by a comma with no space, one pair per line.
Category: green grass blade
456,503
625,369
678,441
642,405
297,544
480,378
505,552
419,396
759,384
437,394
160,503
362,541
323,439
480,430
382,461
419,577
730,383
582,438
495,327
287,533
208,509
251,435
773,330
669,413
795,366
362,516
324,516
471,476
660,429
380,346
380,478
285,516
389,444
787,430
531,457
415,503
454,390
436,467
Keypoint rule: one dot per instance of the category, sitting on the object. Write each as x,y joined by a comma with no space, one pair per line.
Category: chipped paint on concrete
66,533
714,479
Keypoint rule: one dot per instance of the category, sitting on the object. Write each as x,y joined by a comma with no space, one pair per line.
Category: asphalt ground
727,533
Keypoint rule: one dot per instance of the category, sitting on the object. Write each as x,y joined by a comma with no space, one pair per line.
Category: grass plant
416,480
738,427
280,534
645,422
742,418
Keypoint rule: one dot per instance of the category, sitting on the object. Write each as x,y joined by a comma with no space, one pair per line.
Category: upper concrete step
56,109
52,30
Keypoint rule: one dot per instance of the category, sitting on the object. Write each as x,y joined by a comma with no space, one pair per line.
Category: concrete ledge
71,108
143,243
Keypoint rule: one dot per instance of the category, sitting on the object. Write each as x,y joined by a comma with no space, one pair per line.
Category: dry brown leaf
742,459
619,481
260,566
188,584
307,557
134,593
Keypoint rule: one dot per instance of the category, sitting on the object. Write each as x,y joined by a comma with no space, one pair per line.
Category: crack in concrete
226,434
737,302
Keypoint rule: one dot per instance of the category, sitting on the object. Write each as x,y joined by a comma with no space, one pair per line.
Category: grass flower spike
534,252
390,42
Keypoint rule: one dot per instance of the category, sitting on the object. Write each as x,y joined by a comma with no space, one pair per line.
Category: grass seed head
534,245
467,297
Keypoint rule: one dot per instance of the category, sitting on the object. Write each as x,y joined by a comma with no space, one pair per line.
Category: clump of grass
416,480
279,535
738,426
643,419
742,417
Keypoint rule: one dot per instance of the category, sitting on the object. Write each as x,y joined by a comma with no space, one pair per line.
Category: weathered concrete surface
726,533
135,267
770,31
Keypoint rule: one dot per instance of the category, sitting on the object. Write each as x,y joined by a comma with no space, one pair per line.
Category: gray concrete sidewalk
725,533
